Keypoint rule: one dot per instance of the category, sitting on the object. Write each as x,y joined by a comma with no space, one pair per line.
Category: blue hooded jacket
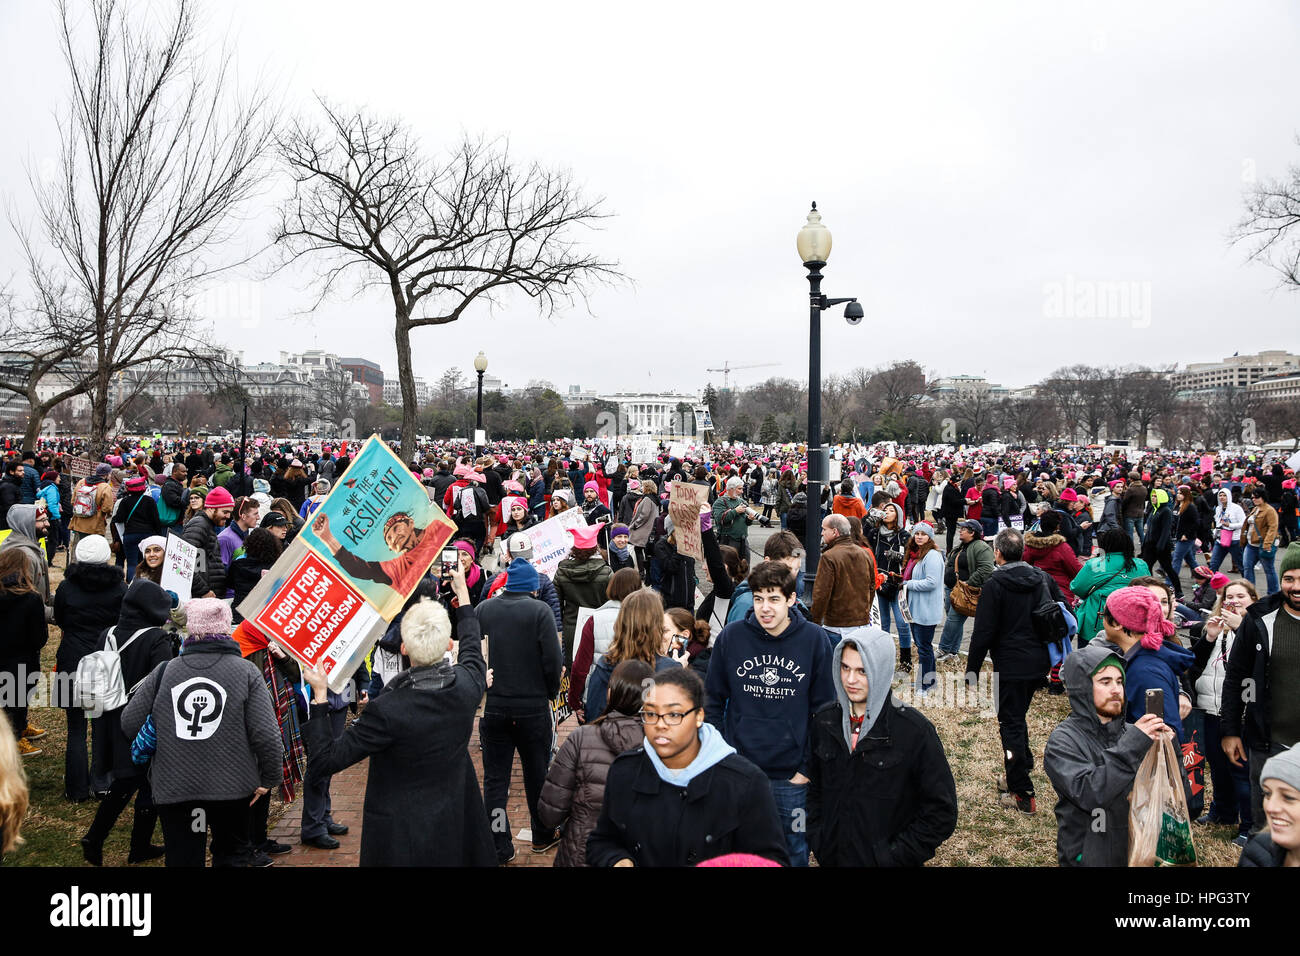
1145,670
761,691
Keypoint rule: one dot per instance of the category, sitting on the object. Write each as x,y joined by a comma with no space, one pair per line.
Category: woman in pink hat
580,580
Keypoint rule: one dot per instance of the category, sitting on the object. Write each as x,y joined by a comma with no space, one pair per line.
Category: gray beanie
1284,766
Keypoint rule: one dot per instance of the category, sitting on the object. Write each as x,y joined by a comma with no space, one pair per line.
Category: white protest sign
552,541
1294,462
677,450
643,451
835,470
179,562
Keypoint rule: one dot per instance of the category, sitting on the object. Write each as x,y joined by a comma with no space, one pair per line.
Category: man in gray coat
1092,757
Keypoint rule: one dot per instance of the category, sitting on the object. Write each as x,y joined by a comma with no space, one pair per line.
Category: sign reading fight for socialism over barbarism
317,616
552,541
684,508
378,529
179,562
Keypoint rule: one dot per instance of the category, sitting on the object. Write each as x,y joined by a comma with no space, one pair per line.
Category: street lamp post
814,245
480,366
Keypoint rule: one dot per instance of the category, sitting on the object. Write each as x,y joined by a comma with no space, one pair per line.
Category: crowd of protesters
727,709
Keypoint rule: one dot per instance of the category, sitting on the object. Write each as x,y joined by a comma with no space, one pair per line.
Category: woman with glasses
638,636
575,784
684,796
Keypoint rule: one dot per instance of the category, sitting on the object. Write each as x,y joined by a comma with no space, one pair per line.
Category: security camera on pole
814,245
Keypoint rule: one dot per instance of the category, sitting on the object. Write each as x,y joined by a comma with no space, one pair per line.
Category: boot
904,662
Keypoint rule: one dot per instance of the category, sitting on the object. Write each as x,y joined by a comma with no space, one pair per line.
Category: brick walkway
348,794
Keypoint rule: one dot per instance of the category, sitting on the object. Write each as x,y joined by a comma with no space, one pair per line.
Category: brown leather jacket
845,586
1265,526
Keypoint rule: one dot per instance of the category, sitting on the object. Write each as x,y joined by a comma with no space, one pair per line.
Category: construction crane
728,368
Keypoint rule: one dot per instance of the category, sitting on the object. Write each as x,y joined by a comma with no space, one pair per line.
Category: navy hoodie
762,691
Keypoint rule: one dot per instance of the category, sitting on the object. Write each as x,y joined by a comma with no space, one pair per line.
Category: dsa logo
198,704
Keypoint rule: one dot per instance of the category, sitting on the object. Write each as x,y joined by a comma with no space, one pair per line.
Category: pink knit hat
205,616
591,486
587,537
218,497
1069,494
1137,609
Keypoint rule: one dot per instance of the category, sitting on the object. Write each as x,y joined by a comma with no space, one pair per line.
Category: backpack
83,500
97,686
480,503
1048,616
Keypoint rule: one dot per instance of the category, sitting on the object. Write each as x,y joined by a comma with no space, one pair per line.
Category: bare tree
437,235
159,153
450,384
333,397
1269,226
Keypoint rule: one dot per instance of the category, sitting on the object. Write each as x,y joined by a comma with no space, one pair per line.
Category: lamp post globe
814,239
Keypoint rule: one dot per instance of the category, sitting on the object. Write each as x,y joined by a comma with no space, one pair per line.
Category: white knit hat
94,549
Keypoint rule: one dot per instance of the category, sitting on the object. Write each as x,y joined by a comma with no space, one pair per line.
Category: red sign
317,616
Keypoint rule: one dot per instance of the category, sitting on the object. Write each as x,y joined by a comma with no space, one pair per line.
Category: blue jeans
953,625
891,606
1137,524
923,634
791,808
1184,551
1216,557
1257,555
990,526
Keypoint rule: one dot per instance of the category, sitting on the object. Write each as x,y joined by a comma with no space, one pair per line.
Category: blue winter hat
521,576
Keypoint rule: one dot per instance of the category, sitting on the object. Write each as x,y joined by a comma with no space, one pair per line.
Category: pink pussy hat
586,537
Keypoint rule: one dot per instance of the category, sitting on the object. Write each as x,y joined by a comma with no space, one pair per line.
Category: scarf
621,552
286,715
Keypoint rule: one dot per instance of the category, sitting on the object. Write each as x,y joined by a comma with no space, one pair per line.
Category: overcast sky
979,164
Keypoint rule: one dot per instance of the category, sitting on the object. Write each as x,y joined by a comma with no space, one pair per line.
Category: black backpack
1047,617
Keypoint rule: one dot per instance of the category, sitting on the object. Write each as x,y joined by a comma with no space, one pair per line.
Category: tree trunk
99,415
406,376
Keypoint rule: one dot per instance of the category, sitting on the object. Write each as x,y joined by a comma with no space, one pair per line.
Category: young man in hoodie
768,675
1004,631
1092,757
880,791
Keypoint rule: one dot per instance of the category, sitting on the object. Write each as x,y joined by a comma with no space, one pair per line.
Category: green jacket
977,558
727,523
1096,581
222,476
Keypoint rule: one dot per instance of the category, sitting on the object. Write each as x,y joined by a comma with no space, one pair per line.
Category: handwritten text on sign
684,508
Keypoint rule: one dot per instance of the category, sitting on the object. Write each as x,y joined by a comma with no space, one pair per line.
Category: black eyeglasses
671,719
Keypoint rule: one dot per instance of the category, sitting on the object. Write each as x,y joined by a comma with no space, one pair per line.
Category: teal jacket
1099,577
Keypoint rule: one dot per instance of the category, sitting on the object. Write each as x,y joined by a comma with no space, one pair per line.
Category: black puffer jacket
88,600
1262,851
575,784
202,533
1003,627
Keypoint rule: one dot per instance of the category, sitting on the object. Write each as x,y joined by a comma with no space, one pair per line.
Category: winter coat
761,691
1111,516
22,537
575,783
53,500
138,514
145,608
1187,524
1159,529
589,647
845,585
952,504
1097,580
1262,531
925,589
208,753
728,808
728,523
104,498
1252,720
524,652
202,533
10,495
1262,851
972,563
423,805
1091,766
677,575
1134,499
1209,670
891,801
1003,627
1146,669
1053,555
88,600
24,633
849,505
579,584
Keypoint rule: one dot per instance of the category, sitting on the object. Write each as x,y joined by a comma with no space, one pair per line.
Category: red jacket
1053,555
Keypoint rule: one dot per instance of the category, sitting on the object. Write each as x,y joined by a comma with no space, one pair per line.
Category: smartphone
1156,701
449,559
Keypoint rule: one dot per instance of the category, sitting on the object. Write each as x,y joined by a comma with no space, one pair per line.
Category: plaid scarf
286,715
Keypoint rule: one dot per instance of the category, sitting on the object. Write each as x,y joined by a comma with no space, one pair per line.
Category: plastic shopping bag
1159,829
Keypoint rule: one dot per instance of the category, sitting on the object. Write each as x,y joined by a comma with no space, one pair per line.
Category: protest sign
643,451
378,528
79,468
318,617
835,471
1294,462
684,504
1207,463
179,561
677,450
560,704
703,420
552,541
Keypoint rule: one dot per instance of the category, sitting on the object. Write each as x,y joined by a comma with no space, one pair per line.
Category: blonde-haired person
423,805
1229,783
638,636
13,790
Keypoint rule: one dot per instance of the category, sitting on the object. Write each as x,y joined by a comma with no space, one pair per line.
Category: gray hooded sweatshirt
22,535
876,648
1092,766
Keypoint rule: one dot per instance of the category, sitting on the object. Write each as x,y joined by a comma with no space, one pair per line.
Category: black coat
951,503
1003,627
1251,719
728,808
24,632
423,804
890,802
202,533
88,600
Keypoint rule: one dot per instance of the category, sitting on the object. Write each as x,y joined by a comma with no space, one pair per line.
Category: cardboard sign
378,528
179,561
684,504
316,616
835,471
643,451
1207,463
79,468
552,541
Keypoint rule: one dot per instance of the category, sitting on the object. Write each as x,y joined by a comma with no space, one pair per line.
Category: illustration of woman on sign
415,548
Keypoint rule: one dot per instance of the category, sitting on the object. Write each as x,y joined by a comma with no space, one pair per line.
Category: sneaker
33,732
260,860
322,842
336,829
27,749
545,845
1241,839
272,848
1001,783
1014,801
1207,820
